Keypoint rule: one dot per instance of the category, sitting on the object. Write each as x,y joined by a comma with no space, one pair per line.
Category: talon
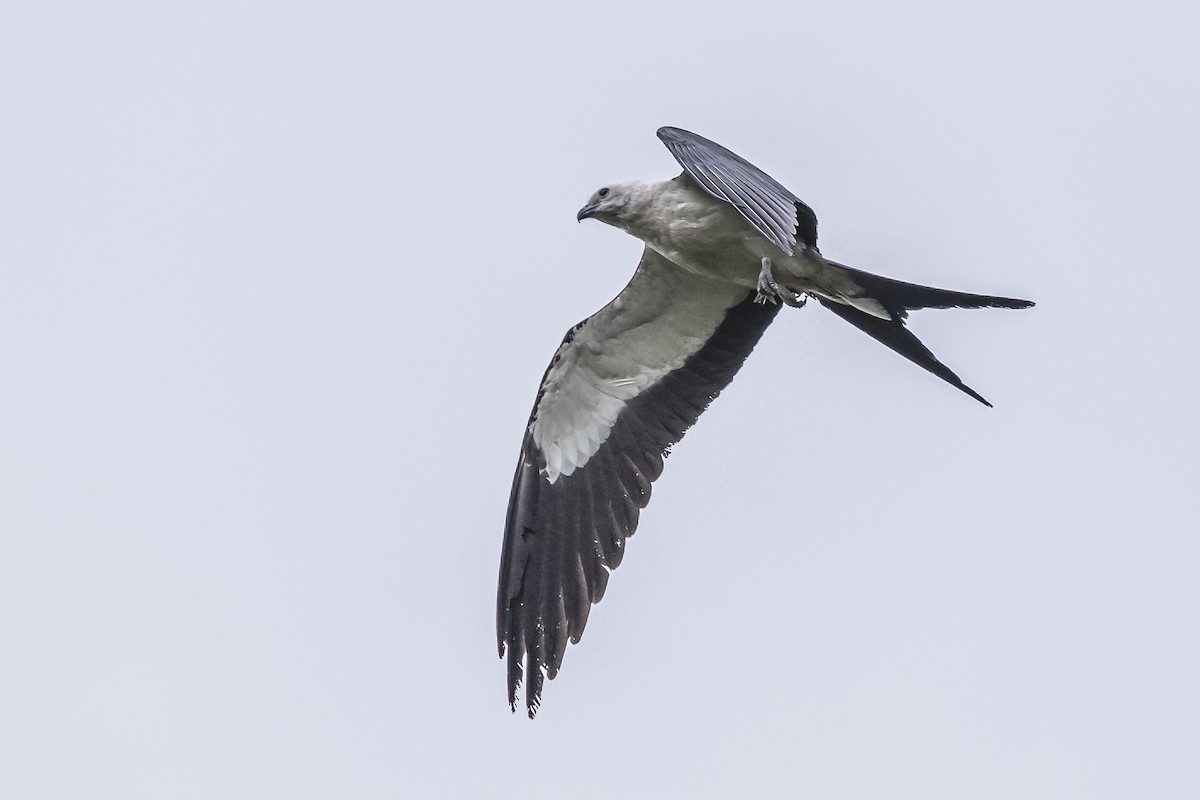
770,291
795,300
767,288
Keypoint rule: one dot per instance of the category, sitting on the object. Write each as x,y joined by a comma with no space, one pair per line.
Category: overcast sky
277,285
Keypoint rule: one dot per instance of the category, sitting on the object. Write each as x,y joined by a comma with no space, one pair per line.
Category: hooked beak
585,212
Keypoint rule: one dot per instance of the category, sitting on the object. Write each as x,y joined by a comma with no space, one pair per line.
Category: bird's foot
771,292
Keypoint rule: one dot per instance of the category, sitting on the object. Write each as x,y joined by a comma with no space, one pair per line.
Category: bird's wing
775,212
622,388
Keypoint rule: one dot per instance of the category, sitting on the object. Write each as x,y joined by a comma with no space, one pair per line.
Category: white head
611,204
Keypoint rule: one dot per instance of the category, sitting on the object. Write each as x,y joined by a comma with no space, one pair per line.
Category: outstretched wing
774,211
622,388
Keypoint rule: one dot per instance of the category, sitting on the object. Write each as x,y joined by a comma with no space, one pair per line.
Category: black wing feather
562,539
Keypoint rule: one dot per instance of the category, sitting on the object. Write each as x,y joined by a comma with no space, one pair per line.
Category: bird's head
607,204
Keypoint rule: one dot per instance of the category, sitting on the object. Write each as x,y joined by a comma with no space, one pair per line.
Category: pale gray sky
277,284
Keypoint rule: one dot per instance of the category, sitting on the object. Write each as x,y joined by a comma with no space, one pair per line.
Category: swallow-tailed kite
724,243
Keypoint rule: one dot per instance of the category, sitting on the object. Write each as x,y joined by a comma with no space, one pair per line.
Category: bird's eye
603,192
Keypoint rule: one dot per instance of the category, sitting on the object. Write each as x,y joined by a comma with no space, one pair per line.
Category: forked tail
900,297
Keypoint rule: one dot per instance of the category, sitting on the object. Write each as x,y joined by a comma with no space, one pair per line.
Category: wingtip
671,133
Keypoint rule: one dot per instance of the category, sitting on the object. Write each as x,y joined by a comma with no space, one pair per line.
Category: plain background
277,284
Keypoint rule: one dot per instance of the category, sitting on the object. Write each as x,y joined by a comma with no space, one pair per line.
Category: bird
726,248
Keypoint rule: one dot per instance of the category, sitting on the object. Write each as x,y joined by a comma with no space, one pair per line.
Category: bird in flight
726,245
